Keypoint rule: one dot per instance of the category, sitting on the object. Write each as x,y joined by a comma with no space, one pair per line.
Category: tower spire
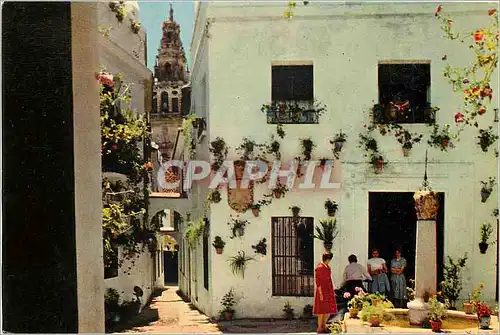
171,17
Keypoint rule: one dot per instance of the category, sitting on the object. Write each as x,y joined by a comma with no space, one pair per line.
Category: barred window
293,256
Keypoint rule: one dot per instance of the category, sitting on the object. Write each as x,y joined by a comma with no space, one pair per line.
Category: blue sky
153,13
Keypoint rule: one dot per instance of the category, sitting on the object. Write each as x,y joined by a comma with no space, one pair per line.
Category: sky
153,13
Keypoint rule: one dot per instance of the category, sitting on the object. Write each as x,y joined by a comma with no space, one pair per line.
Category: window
164,102
175,105
292,83
404,93
293,256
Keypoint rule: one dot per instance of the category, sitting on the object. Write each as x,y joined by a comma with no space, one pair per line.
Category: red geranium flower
492,12
438,10
445,143
478,36
105,78
482,110
148,165
459,117
487,92
482,309
114,147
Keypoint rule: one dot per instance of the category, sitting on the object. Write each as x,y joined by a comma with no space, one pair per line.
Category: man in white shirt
353,277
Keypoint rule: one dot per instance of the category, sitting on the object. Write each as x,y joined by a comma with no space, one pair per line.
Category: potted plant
288,311
378,162
214,196
327,232
468,306
483,312
237,227
486,231
338,141
441,138
218,244
238,263
135,26
228,302
372,313
407,140
308,311
274,148
451,286
331,207
261,247
255,209
219,149
307,148
322,162
437,312
295,211
355,304
486,138
487,188
279,190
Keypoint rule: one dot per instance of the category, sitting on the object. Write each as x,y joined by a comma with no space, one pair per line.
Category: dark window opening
292,83
155,104
175,105
206,245
111,262
403,94
164,102
293,256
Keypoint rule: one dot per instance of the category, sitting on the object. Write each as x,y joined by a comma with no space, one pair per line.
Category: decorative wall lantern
426,201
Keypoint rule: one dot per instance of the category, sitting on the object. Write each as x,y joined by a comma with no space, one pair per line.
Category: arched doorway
171,260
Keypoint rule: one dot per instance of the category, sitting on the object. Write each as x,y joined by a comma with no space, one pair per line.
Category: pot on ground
228,316
436,325
353,313
375,320
484,322
468,307
483,247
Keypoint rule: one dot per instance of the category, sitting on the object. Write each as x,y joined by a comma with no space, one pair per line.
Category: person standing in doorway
398,280
353,277
378,270
324,297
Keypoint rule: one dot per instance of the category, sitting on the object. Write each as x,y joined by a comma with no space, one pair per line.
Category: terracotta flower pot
483,247
435,325
228,316
331,212
219,251
375,320
468,307
296,212
277,195
353,313
406,152
484,322
484,196
328,246
255,212
379,166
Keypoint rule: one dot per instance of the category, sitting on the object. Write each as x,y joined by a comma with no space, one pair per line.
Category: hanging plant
187,133
295,211
487,188
322,162
280,131
218,244
214,196
407,139
486,138
307,148
280,190
338,143
327,232
378,162
441,138
274,148
247,149
119,9
486,231
257,206
261,247
331,207
135,26
238,263
219,149
367,142
194,231
237,227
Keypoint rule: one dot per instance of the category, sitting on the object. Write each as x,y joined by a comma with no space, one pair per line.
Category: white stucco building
345,55
123,50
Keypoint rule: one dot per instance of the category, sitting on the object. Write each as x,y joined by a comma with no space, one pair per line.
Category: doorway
171,267
393,224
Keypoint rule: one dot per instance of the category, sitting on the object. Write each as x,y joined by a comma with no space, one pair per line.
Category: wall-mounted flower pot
485,195
338,145
331,212
295,212
255,212
483,247
328,246
379,167
436,325
277,195
228,316
219,251
406,152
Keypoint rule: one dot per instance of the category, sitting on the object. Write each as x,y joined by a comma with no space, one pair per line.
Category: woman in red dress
324,299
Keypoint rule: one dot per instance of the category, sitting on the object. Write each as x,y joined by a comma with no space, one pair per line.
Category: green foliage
441,137
487,186
486,138
194,231
451,286
261,247
486,231
327,231
228,302
218,243
437,310
237,227
187,133
118,7
135,26
307,147
219,149
288,311
238,263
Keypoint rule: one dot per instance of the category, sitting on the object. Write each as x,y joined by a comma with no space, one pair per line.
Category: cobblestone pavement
173,315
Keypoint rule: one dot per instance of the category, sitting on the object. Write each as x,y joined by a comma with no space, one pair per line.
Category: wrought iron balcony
293,117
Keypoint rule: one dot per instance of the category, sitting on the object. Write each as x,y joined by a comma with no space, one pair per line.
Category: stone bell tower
171,95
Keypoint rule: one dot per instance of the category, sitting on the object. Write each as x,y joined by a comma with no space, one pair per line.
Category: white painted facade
123,51
233,48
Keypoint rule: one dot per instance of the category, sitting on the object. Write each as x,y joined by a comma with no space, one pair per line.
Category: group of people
354,276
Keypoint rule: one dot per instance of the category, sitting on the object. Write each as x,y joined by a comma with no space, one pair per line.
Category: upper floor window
292,95
403,93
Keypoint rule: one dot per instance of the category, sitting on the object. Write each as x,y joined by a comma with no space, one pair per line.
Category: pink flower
105,78
459,117
347,295
438,10
114,147
359,289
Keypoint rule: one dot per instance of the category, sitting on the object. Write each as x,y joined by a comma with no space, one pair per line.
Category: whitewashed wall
345,43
